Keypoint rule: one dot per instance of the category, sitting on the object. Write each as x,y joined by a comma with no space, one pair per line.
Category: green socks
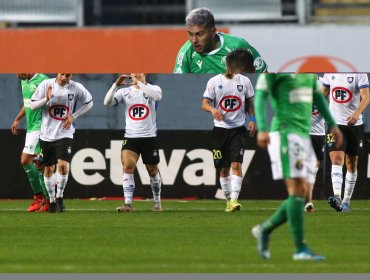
296,220
33,177
290,210
42,184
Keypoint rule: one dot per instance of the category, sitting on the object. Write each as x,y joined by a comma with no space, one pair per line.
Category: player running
29,83
140,137
228,97
288,145
58,99
206,49
349,97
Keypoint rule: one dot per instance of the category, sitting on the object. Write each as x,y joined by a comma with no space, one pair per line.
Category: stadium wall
285,47
186,168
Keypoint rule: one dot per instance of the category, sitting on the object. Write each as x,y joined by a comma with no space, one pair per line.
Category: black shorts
52,151
146,147
228,145
318,144
352,140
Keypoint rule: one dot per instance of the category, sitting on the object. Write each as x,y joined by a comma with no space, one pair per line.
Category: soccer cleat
228,208
45,206
60,204
345,207
234,205
36,203
309,207
335,202
307,255
125,208
262,242
157,206
53,207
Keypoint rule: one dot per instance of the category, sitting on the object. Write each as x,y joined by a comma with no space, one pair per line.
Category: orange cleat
45,206
36,203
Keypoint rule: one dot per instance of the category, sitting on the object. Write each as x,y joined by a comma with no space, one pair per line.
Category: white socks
155,183
349,185
61,184
226,187
128,187
50,186
337,180
236,185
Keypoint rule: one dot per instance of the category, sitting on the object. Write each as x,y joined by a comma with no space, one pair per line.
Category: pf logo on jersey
230,103
341,95
138,112
59,112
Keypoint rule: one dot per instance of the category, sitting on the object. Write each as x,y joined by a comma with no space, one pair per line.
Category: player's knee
128,168
26,160
224,172
236,166
152,170
63,167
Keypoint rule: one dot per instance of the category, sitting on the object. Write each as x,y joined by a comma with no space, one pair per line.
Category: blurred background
292,35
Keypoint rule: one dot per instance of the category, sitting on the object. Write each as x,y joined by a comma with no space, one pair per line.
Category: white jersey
55,111
229,96
317,122
140,111
344,97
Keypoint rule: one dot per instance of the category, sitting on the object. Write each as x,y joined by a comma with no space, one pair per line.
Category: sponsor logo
138,112
220,86
59,112
341,94
230,103
199,63
180,58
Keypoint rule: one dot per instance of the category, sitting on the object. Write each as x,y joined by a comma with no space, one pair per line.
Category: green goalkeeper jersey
291,96
189,61
33,118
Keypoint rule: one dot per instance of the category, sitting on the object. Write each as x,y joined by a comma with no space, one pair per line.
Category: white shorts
32,145
289,155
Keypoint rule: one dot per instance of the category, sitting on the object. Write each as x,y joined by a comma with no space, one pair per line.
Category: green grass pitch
187,237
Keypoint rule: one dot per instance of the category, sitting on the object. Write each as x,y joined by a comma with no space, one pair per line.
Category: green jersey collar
221,44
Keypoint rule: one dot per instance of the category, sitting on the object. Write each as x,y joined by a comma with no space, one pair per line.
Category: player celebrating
288,145
140,136
29,83
349,97
229,93
206,49
58,99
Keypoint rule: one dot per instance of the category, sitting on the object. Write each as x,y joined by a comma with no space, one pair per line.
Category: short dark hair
201,16
241,59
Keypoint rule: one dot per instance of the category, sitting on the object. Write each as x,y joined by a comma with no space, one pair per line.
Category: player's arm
151,91
252,118
109,99
15,124
263,138
365,99
322,105
37,101
206,106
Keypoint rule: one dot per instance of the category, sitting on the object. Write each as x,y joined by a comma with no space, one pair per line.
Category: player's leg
130,154
337,160
63,153
150,157
355,144
38,162
31,170
314,155
221,161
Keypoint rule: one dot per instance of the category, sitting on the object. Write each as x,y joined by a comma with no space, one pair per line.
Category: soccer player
140,138
29,83
58,99
288,144
317,135
349,97
206,49
228,97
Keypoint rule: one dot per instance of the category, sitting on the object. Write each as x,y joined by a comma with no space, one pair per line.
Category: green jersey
33,118
291,96
189,61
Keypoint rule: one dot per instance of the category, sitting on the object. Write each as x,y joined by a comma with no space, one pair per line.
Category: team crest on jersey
350,79
341,94
59,112
71,96
33,87
230,103
138,112
258,63
239,87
